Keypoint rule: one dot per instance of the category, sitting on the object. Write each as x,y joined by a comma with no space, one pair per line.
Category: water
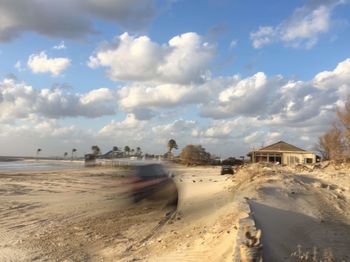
37,165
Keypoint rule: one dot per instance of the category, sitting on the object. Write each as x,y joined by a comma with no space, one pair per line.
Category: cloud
233,44
280,101
339,78
19,66
175,129
60,46
160,96
21,101
71,18
184,59
302,29
40,63
241,111
130,129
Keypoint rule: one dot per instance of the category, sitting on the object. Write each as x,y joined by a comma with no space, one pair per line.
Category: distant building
282,153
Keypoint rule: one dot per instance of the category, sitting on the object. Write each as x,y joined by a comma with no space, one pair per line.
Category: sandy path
301,209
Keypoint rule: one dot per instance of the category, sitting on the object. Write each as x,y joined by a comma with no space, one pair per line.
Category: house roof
281,146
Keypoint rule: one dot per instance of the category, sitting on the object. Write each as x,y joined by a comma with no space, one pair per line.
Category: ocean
37,165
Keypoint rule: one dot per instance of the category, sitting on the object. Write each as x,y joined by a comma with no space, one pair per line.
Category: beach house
283,153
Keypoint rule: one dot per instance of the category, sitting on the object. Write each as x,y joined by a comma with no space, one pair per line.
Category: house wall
297,158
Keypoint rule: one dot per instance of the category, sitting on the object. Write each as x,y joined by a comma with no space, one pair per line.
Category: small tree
65,155
194,154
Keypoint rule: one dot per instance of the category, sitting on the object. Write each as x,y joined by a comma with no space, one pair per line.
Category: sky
230,75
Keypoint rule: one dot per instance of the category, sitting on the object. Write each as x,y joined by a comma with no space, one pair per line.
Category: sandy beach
80,215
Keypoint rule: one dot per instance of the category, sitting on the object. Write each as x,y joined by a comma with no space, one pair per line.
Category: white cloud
128,131
175,129
233,43
41,63
160,96
241,112
338,79
21,101
302,29
279,101
72,18
185,59
60,46
265,35
19,66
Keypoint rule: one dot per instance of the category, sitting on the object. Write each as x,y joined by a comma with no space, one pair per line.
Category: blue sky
230,75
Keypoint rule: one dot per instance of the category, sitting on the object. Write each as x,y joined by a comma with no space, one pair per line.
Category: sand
80,215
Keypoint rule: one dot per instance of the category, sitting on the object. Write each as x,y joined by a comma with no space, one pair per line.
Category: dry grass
314,255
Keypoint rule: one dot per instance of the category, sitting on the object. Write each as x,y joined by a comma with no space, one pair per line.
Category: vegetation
335,143
314,255
127,150
194,155
171,145
96,151
73,151
138,151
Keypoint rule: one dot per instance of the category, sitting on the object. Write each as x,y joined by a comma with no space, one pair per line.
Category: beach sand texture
79,215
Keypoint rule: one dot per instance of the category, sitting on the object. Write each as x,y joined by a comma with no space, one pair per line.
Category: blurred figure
153,183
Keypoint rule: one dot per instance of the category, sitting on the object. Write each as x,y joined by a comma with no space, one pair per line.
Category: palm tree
73,151
127,150
171,145
132,151
138,151
96,150
37,152
65,155
115,149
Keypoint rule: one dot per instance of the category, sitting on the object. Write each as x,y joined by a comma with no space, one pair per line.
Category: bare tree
335,143
330,144
194,154
344,119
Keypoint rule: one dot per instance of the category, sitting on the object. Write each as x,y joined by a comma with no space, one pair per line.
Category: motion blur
152,183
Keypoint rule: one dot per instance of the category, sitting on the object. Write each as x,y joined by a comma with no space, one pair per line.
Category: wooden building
282,153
